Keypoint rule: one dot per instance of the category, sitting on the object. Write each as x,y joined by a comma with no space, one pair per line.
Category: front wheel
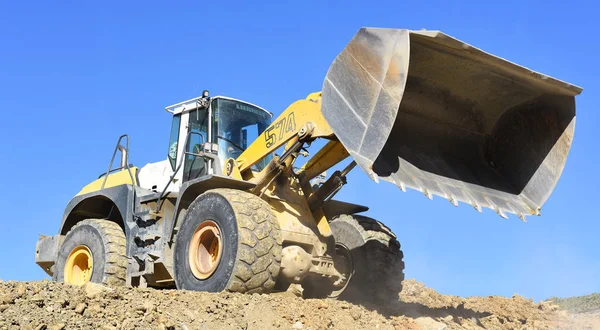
228,240
93,251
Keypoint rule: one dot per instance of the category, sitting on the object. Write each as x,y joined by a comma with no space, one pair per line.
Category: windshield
238,125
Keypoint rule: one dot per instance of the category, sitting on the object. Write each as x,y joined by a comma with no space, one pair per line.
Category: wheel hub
205,250
343,264
79,266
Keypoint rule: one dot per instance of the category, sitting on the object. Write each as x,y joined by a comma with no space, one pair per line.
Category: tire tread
383,280
259,240
115,253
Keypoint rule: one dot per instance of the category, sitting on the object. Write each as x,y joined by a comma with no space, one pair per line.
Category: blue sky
73,77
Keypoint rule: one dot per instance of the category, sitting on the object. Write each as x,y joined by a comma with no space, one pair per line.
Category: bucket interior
426,111
465,120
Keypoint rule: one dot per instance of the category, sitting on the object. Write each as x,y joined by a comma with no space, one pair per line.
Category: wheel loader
232,208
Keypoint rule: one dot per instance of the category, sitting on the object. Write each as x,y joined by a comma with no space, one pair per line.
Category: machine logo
283,126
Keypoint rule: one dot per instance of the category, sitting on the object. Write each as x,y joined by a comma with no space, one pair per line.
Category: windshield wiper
232,143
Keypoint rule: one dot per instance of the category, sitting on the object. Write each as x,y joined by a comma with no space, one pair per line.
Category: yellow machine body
419,109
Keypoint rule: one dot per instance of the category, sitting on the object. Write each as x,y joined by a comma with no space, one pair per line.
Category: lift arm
301,119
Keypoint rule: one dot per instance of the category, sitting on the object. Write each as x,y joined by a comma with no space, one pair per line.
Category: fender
115,203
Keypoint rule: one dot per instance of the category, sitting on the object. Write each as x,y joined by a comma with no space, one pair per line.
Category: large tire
250,238
106,242
376,258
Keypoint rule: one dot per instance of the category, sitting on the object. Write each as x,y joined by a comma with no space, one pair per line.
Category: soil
50,305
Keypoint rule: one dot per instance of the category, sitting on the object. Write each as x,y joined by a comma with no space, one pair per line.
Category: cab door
195,166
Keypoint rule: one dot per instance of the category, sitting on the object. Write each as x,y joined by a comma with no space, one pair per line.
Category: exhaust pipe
426,111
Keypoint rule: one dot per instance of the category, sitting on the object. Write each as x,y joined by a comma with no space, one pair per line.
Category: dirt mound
49,305
419,302
582,304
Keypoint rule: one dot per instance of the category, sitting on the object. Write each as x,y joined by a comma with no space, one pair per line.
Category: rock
429,323
80,308
211,308
62,303
190,315
448,319
356,314
162,319
298,325
93,310
39,301
20,290
241,324
149,318
57,326
547,305
93,290
7,299
148,306
295,289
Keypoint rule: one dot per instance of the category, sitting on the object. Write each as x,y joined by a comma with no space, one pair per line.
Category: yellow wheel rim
205,250
79,266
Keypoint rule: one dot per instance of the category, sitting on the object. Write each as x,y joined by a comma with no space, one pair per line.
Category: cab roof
192,104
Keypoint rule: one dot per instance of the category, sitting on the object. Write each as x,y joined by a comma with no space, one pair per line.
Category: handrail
114,170
159,204
124,160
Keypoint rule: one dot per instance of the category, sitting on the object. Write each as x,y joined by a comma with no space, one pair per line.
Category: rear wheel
376,259
228,240
93,251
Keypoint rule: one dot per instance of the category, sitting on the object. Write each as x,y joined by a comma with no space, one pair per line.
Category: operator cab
207,131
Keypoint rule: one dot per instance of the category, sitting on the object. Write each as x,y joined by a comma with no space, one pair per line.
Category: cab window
238,124
195,166
172,155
